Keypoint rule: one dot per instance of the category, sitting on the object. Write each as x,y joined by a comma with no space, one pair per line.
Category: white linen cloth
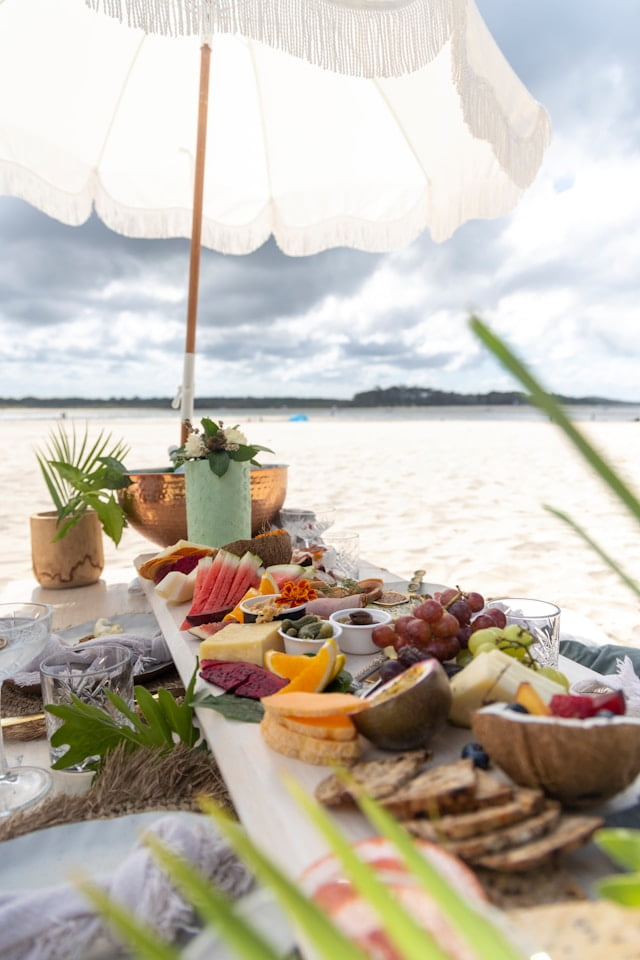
58,923
148,650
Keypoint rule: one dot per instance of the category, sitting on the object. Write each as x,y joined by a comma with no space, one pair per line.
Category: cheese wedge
491,677
242,641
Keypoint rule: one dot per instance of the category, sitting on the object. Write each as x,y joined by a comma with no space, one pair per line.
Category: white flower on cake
217,444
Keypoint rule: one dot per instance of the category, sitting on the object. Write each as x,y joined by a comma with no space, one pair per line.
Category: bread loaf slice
570,832
379,778
449,788
525,803
473,849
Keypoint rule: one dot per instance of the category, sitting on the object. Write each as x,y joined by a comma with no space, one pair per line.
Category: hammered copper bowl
154,504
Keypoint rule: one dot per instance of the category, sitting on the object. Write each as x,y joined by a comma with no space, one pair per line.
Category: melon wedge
301,704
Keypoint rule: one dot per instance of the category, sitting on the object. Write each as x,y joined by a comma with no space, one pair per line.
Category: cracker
579,930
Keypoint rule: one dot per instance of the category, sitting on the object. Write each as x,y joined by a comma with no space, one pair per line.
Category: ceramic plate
140,624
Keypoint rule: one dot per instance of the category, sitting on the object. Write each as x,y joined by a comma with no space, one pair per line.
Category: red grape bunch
439,626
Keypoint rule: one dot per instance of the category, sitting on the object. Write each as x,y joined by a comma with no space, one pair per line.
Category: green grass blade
621,844
412,940
214,908
481,934
547,403
609,561
139,937
328,941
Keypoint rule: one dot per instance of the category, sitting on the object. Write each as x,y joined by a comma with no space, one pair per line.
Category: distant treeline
379,397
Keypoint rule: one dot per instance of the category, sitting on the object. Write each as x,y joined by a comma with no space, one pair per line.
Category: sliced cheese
492,677
242,641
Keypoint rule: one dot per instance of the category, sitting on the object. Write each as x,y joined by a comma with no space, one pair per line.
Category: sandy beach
461,498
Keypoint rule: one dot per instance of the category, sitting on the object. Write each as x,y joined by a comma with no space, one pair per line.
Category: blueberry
517,708
476,753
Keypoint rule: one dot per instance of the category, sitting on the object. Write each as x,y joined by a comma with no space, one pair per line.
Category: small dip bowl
250,608
300,645
356,637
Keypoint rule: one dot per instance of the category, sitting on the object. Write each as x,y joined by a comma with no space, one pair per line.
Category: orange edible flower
293,594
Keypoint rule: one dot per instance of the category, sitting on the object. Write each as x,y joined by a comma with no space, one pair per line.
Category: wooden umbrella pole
187,395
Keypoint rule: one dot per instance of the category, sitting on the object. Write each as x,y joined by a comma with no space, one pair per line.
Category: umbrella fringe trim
519,156
365,38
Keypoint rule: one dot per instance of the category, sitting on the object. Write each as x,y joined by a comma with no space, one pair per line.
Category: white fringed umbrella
324,123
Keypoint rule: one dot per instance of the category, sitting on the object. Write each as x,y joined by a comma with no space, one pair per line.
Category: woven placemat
131,781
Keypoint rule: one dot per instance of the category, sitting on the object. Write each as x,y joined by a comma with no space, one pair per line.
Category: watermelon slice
199,587
221,579
283,572
247,576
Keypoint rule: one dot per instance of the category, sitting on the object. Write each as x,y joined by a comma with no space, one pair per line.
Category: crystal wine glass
306,527
24,631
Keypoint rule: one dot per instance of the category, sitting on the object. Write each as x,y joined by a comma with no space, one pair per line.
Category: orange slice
319,671
237,614
287,665
268,585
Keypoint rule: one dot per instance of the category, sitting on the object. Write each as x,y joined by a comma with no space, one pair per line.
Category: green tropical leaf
556,413
142,939
409,938
90,731
232,707
621,844
214,908
327,940
477,929
608,560
623,889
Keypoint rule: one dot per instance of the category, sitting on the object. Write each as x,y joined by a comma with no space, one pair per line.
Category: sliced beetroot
242,679
261,684
225,673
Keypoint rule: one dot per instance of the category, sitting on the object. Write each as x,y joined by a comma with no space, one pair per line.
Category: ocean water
491,413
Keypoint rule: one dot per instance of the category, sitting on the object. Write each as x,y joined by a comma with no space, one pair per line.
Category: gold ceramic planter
76,560
155,506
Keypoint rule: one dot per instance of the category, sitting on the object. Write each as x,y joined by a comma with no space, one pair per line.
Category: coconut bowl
154,503
408,710
579,762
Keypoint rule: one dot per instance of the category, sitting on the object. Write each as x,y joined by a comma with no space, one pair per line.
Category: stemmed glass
307,526
24,631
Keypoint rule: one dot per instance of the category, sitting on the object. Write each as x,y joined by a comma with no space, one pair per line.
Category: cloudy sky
558,277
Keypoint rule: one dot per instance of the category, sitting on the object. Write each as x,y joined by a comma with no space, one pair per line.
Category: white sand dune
462,499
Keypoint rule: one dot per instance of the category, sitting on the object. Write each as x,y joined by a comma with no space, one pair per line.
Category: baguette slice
379,778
